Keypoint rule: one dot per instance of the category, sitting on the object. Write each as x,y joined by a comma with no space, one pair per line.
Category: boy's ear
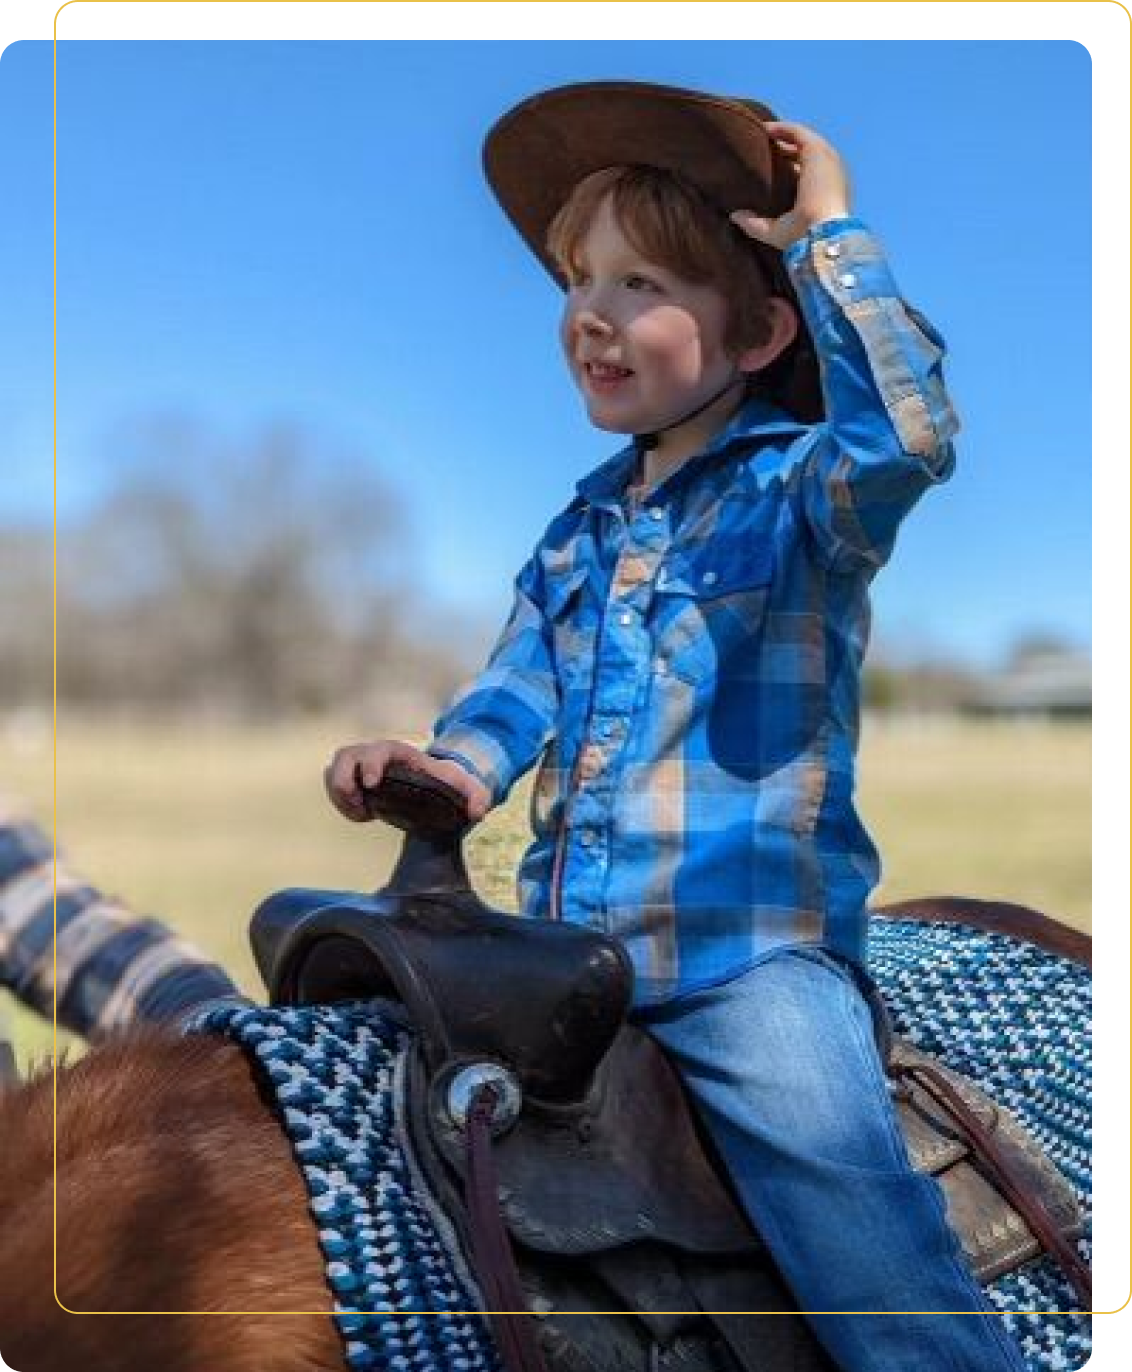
782,328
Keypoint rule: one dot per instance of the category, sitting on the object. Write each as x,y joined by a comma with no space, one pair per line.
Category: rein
492,1255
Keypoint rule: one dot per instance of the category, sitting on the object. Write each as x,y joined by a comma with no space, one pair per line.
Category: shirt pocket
711,607
570,622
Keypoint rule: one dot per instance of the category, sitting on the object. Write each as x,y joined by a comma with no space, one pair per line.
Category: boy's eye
634,281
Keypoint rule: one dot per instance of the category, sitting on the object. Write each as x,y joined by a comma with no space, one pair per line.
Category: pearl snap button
591,763
625,617
656,512
710,578
833,250
847,279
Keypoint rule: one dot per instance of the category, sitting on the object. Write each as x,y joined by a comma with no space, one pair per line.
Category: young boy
686,645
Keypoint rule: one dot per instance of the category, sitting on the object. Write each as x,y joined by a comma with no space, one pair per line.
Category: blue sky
262,233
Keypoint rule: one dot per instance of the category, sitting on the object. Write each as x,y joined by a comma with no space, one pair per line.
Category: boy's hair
669,221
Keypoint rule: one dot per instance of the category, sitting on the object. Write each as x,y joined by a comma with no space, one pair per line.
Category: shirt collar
758,418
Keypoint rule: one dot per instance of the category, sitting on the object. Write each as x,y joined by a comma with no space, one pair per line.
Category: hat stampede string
647,441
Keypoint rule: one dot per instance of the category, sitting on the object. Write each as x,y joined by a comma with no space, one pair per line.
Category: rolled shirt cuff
478,754
838,263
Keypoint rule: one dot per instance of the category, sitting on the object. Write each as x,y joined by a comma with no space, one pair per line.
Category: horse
175,1192
152,1214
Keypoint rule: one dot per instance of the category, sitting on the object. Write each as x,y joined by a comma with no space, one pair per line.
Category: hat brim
538,151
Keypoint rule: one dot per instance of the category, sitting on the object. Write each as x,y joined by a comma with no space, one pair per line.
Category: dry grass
197,824
981,809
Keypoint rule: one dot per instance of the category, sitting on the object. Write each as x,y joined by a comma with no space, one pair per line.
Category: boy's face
643,344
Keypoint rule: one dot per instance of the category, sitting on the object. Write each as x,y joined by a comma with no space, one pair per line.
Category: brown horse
177,1192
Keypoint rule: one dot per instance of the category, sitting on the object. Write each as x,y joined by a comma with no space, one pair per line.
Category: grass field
196,824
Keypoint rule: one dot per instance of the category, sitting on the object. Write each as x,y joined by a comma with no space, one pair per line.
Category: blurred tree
880,686
933,684
25,614
271,578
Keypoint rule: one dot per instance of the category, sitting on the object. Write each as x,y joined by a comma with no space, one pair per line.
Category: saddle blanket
1012,1017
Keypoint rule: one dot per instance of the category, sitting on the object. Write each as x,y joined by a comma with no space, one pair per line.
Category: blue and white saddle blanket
1012,1017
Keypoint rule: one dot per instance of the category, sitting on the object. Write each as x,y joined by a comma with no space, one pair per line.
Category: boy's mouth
604,376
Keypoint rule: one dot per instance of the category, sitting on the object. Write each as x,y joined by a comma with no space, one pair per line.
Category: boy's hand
823,187
369,760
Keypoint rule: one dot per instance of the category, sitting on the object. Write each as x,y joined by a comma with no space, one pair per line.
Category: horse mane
177,1192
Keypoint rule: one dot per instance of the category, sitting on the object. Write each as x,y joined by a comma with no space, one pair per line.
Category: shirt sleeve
886,437
498,724
66,946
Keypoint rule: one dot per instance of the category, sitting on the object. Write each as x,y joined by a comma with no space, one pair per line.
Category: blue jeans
783,1067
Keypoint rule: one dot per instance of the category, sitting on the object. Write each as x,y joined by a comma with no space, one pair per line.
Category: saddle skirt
403,1294
941,984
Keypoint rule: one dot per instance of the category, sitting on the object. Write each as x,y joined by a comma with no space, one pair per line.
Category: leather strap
985,1147
493,1259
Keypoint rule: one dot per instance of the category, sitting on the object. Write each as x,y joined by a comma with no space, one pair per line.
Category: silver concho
468,1080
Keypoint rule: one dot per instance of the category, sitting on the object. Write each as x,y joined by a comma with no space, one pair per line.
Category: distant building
1050,682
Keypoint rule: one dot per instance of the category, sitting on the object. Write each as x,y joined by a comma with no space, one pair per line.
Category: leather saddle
601,1189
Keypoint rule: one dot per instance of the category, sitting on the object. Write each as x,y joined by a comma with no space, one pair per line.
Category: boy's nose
592,323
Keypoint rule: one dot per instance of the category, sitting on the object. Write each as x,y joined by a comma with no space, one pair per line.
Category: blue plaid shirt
689,670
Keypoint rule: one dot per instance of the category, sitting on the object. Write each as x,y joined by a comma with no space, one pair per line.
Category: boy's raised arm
889,422
888,419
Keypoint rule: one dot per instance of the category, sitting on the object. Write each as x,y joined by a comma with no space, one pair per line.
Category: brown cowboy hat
538,152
